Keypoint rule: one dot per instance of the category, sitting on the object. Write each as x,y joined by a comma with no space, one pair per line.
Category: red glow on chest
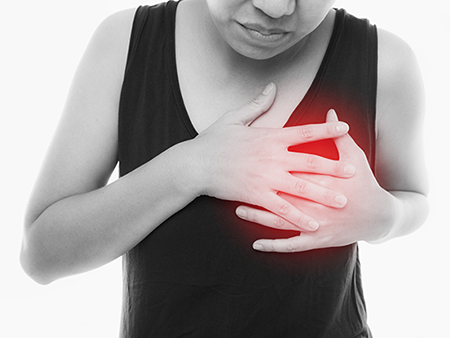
324,148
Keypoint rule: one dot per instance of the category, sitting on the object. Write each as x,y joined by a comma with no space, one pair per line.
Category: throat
213,82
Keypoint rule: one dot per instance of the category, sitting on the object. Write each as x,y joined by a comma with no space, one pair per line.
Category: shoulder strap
147,24
147,109
346,82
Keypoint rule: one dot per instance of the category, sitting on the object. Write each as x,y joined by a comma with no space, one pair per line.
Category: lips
263,34
264,30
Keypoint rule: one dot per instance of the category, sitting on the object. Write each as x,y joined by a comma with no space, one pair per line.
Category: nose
275,8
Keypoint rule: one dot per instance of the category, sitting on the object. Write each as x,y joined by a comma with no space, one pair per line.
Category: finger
307,163
303,242
312,132
313,192
250,111
290,213
332,116
264,217
345,144
347,147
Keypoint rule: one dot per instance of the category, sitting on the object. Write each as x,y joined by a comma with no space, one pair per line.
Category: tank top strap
148,106
347,82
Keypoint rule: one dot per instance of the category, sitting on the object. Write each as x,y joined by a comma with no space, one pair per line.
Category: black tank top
197,275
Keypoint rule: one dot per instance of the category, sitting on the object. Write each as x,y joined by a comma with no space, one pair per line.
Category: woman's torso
197,274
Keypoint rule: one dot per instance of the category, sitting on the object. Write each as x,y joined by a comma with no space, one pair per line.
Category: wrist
390,219
189,170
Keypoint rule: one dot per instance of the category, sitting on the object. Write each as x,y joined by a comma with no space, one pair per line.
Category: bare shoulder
393,47
114,31
399,76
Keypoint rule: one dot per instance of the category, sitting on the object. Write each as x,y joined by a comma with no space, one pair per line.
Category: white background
406,280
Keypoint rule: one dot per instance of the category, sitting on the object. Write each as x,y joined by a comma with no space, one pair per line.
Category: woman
190,97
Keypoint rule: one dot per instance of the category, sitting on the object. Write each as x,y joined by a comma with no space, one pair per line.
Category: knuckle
284,209
305,132
290,247
256,102
279,223
311,162
301,186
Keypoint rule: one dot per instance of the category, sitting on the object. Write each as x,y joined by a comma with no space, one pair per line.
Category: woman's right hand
252,165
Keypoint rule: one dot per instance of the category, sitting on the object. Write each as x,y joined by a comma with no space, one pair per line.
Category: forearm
409,213
84,231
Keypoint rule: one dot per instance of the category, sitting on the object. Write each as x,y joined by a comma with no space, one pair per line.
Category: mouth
264,34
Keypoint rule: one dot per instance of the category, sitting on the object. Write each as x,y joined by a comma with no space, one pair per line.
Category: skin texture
287,17
75,222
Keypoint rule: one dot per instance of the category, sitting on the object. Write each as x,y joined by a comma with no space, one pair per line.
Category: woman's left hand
368,215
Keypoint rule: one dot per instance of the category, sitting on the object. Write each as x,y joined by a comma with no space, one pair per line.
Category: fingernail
241,213
349,169
268,89
342,127
313,225
340,199
258,247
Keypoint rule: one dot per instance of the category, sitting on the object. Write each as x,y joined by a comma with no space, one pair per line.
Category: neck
233,62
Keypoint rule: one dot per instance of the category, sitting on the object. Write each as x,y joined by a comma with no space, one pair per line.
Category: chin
257,54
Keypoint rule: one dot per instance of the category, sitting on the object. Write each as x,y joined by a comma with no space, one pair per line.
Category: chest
208,90
205,103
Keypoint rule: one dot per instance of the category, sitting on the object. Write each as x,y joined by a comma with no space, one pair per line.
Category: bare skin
75,222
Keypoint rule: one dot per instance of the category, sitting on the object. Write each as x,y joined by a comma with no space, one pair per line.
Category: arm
75,222
401,109
391,203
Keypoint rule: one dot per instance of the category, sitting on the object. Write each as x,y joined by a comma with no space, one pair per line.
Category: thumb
252,110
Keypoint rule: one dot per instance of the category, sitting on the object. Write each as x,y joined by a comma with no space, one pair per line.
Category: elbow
31,261
33,266
33,272
38,257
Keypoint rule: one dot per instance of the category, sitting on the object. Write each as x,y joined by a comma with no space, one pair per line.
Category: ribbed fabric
197,275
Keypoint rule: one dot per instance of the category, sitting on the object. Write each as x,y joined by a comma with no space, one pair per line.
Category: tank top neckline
300,109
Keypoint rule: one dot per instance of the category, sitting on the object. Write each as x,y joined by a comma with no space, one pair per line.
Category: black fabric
197,275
